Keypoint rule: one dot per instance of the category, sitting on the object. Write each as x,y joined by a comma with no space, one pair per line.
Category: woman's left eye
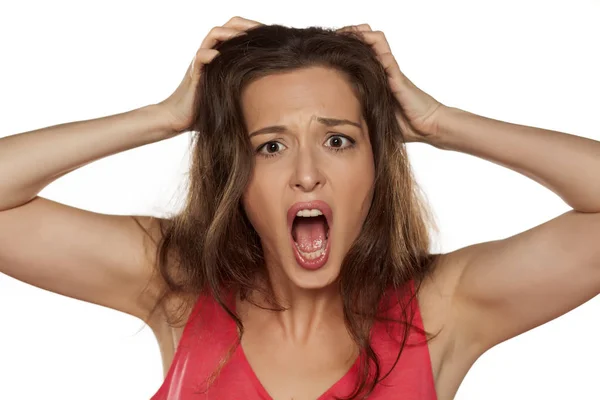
340,142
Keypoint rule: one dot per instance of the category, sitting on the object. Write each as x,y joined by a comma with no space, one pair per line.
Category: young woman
299,266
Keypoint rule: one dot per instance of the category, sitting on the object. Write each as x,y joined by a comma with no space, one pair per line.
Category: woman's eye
335,143
270,148
338,142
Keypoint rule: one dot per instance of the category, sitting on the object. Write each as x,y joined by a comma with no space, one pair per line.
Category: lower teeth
314,254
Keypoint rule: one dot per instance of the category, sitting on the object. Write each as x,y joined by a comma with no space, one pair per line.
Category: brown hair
210,247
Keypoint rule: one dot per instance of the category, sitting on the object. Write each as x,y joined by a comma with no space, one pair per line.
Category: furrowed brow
330,122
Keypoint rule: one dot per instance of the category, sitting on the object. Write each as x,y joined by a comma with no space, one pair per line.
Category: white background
528,62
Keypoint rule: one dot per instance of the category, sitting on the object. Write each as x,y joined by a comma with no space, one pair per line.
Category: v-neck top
210,333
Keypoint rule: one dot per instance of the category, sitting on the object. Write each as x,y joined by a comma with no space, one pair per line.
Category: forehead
314,90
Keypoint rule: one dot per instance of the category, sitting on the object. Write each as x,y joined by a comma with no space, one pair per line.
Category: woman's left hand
420,113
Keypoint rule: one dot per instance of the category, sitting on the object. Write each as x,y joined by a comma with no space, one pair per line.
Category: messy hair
210,248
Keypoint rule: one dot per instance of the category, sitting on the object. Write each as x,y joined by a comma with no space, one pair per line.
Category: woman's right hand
178,108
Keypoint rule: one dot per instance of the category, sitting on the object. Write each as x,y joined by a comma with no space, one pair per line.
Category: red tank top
203,345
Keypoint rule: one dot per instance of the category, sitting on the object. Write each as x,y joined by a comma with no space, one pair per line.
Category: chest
280,370
277,371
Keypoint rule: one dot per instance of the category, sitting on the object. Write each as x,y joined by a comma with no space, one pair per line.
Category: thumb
202,57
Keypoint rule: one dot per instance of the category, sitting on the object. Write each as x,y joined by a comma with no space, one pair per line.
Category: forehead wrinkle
326,121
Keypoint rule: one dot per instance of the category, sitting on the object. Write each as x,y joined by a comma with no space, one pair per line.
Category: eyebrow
330,122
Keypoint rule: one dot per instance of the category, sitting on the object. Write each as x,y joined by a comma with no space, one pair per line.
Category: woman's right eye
270,149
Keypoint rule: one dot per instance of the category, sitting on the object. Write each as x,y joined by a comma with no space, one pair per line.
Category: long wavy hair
210,248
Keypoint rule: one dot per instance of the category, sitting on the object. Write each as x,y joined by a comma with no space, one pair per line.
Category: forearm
568,165
31,160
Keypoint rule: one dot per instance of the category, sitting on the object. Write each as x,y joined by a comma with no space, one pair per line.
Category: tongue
309,233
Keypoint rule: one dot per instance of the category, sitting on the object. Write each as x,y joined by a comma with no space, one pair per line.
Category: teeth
314,254
309,213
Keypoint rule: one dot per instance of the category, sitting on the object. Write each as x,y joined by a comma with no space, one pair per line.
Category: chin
308,279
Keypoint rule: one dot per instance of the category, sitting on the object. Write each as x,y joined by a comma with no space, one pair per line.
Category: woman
303,226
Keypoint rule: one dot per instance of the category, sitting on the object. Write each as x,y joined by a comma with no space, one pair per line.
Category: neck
309,313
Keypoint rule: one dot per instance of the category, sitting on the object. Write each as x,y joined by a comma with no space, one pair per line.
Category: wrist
440,136
163,126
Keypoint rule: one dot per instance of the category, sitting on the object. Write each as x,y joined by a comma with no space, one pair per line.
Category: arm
500,289
506,287
57,150
103,259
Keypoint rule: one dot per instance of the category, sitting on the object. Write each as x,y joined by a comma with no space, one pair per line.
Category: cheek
359,191
361,177
260,202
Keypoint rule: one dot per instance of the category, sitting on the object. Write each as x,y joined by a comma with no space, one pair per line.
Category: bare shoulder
451,355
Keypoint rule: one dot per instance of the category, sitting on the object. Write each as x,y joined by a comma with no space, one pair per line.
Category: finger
202,57
364,27
377,40
241,23
355,28
395,76
219,34
360,28
389,62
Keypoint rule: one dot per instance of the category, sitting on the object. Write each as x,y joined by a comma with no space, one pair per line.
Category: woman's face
305,158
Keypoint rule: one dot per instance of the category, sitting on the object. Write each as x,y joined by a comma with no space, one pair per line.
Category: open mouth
310,235
309,225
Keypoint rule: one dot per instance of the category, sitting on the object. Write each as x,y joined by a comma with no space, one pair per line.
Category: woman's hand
178,108
420,113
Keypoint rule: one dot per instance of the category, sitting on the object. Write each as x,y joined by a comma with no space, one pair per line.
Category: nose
307,175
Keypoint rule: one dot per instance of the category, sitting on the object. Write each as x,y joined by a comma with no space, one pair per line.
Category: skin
309,161
482,294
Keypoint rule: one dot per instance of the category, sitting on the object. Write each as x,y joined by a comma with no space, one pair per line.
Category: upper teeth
309,213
